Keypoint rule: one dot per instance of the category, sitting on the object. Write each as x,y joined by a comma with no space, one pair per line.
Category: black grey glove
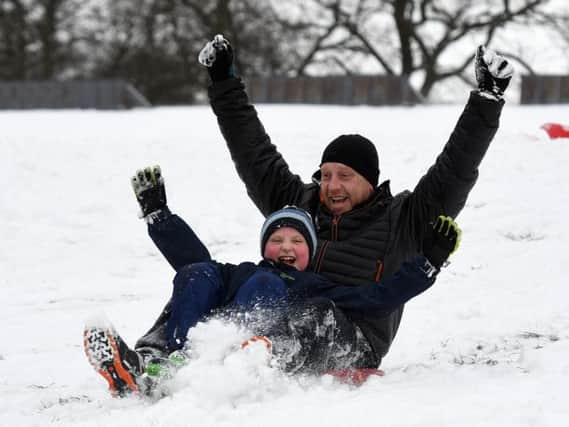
441,240
217,56
493,73
148,186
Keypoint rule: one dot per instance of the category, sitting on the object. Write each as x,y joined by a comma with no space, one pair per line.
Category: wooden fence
98,94
545,89
341,90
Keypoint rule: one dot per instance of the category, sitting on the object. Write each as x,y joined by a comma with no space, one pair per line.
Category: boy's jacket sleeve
178,242
383,296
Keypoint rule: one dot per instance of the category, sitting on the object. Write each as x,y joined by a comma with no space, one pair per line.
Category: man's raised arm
266,175
446,185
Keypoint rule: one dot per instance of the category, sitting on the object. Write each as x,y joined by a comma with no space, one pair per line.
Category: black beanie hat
357,152
290,216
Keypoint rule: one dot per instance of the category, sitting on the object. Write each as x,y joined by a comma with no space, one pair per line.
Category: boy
291,308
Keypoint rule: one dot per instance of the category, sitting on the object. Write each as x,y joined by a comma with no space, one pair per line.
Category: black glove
148,186
441,240
217,56
493,72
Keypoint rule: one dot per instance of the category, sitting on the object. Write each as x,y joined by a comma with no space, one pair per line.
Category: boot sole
102,352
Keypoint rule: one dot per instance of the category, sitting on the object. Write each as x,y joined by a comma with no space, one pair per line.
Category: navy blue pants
199,289
312,336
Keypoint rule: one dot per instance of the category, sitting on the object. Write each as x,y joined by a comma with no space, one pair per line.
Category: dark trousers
315,336
311,336
198,291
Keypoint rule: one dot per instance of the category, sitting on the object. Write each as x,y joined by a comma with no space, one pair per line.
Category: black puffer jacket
372,240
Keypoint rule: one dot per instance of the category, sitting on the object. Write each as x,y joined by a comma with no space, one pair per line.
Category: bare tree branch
367,44
521,61
317,47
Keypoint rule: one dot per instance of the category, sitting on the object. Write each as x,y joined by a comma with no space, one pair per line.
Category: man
364,232
284,303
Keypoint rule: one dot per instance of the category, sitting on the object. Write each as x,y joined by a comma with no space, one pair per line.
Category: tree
150,43
154,43
14,39
427,41
37,38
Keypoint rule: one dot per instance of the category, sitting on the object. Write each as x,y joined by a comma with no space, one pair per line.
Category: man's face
288,246
342,188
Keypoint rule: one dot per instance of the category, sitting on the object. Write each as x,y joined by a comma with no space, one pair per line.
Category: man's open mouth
338,199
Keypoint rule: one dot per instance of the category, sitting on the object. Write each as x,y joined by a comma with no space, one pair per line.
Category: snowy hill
486,346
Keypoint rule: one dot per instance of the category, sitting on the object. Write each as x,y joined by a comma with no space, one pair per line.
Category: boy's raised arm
171,234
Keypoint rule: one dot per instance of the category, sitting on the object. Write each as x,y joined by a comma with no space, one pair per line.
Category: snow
487,345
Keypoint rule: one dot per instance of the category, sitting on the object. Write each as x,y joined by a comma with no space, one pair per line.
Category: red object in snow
556,130
355,376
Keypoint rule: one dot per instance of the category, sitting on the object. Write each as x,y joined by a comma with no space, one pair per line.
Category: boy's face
288,246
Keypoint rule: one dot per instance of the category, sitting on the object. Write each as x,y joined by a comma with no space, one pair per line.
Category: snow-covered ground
486,346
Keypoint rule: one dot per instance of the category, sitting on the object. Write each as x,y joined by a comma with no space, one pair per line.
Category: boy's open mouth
287,260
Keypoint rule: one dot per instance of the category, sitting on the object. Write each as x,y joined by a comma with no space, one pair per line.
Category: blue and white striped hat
290,216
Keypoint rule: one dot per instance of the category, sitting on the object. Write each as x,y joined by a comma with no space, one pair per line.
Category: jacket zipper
334,235
318,264
379,270
335,227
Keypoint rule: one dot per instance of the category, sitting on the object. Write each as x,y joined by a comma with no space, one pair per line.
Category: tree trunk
47,29
402,14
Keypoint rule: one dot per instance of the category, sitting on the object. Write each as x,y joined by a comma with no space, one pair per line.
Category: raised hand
493,72
148,186
217,56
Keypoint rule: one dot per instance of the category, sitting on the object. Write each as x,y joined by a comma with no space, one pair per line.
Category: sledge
556,130
355,376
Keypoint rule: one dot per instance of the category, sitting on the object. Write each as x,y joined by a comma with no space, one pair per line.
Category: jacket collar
268,263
